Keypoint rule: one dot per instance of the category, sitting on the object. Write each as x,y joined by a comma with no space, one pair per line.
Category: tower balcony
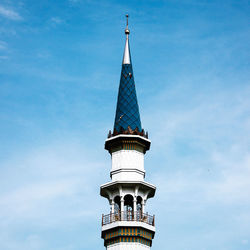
128,227
129,216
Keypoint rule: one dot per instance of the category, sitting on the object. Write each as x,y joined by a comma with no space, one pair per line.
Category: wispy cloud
48,180
204,172
9,13
46,190
4,57
56,20
74,1
3,49
3,45
226,183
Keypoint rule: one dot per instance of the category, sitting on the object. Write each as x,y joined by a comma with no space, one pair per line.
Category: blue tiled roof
127,109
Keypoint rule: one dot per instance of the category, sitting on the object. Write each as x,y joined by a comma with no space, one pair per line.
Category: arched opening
117,205
138,207
128,202
129,207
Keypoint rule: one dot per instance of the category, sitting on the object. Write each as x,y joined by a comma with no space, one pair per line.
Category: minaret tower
128,226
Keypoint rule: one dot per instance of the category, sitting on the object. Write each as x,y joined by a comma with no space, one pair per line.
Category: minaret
128,226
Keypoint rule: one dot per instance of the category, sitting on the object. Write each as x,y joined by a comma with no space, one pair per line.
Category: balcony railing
128,216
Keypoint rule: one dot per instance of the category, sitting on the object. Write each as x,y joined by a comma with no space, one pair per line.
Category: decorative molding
120,170
128,234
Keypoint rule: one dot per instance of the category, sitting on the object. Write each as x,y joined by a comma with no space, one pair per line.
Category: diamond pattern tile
127,110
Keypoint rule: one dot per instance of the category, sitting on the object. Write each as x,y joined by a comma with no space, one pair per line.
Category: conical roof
127,110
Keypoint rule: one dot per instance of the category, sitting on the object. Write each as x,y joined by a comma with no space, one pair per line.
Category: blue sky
60,65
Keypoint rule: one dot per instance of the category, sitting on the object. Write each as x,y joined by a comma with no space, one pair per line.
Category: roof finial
126,55
127,30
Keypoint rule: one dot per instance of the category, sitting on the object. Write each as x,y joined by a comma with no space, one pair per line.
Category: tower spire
127,110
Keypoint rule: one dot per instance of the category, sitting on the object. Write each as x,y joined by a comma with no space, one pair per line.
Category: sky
60,64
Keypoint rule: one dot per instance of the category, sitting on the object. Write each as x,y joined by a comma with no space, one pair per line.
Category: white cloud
25,200
207,141
4,57
49,184
43,54
234,185
52,188
56,20
9,13
3,45
200,138
244,242
221,185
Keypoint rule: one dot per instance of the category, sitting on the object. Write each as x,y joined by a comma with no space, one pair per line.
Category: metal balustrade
128,216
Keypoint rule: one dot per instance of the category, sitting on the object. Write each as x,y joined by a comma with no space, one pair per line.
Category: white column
122,207
122,204
112,206
135,208
143,206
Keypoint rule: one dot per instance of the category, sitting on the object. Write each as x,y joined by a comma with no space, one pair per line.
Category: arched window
117,207
128,204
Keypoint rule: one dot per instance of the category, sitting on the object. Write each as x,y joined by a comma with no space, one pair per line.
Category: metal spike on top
127,30
126,55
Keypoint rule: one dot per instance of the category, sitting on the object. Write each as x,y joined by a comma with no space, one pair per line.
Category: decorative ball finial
127,30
